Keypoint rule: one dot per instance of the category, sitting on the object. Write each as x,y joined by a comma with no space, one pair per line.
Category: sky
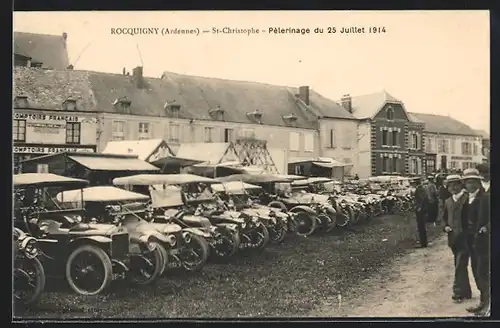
434,61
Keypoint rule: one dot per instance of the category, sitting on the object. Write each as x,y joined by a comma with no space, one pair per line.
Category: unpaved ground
290,279
415,285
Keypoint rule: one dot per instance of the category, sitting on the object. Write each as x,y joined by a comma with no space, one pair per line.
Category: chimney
346,102
304,94
65,36
137,76
124,71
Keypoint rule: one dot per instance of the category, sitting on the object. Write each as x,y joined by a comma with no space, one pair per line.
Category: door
443,163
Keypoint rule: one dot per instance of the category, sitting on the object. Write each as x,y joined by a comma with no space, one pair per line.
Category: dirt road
415,285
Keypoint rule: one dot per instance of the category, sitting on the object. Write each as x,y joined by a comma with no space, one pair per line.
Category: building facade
453,144
389,140
486,145
38,131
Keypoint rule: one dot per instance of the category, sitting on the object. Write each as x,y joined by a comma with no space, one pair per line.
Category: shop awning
113,163
331,164
175,161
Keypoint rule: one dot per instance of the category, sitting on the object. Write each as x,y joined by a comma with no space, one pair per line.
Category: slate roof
367,106
483,134
96,91
326,107
444,124
50,50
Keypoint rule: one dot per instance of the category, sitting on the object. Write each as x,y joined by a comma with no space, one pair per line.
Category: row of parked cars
145,225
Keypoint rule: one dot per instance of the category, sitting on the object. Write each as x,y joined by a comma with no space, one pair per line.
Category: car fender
197,232
303,208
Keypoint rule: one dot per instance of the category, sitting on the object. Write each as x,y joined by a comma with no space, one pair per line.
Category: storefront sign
50,150
52,118
461,158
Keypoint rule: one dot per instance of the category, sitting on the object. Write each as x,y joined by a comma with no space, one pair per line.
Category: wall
343,147
276,136
454,156
364,163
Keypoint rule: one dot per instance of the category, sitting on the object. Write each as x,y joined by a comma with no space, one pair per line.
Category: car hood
93,229
308,198
166,227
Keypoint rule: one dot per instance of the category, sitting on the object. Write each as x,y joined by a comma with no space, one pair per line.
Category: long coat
453,212
483,220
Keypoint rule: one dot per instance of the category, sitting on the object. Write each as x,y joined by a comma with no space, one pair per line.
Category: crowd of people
461,203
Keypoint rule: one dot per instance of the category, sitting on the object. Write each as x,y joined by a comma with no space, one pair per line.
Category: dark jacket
484,219
421,198
454,213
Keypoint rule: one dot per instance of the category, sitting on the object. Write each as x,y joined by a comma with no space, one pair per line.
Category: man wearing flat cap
455,227
477,212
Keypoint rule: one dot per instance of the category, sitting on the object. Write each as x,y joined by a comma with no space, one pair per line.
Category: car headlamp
187,237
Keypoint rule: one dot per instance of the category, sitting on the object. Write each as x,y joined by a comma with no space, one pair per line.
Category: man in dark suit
477,212
421,208
457,236
481,244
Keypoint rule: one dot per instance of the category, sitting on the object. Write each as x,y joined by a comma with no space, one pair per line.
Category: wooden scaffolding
254,152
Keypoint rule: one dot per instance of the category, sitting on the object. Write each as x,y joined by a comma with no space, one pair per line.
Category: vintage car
168,204
310,212
107,205
240,196
88,256
29,275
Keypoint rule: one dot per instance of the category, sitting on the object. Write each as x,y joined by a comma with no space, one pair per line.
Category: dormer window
172,109
21,102
390,113
69,104
217,113
123,105
290,119
255,116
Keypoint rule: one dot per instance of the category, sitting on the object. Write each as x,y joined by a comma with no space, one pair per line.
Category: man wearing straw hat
477,212
455,227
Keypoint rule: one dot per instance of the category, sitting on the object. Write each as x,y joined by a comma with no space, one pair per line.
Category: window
385,164
390,113
414,141
452,146
385,137
331,141
173,132
144,131
395,141
453,165
476,150
73,132
294,141
228,135
466,148
395,166
309,142
208,134
443,146
19,130
467,165
248,133
430,145
118,132
414,166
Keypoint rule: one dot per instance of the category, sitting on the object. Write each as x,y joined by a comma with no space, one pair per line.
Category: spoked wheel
326,222
29,281
195,256
306,223
333,222
259,237
277,231
147,266
227,244
89,270
343,219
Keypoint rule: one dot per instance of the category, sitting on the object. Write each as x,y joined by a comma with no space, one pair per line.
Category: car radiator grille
119,245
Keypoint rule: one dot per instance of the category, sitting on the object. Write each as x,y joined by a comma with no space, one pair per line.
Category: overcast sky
434,61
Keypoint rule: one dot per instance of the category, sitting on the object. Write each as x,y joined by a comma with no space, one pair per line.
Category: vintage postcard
233,164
